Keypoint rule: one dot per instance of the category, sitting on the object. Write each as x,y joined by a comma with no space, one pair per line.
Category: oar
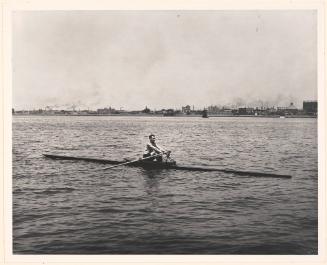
131,162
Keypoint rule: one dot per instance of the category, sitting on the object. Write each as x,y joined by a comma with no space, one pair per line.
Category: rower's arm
162,150
156,149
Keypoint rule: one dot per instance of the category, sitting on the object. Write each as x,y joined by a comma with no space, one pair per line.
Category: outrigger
167,163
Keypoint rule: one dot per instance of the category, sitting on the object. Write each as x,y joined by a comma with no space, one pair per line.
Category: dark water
71,207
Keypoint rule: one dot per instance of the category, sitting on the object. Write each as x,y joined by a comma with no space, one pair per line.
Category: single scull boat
168,164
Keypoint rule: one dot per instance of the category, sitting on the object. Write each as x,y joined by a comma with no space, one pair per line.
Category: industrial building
310,107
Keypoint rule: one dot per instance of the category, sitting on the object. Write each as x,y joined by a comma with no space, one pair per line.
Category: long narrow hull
167,165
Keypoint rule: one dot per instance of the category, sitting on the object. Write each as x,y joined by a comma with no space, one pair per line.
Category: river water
74,207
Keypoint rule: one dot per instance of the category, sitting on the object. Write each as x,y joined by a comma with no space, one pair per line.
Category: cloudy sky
161,59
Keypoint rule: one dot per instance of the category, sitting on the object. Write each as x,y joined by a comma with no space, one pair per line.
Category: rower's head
152,138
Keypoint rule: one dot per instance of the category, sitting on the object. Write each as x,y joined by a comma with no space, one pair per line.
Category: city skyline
239,103
310,109
262,105
133,59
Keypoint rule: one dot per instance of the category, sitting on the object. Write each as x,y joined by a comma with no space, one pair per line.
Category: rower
152,149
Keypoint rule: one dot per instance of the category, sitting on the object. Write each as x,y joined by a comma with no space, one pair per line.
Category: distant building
226,111
290,110
83,112
158,111
146,110
245,111
213,109
106,111
205,113
168,112
186,109
310,107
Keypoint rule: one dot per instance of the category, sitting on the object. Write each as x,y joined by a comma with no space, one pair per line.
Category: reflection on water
151,180
75,207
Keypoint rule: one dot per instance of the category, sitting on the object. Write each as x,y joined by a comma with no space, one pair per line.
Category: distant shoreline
176,116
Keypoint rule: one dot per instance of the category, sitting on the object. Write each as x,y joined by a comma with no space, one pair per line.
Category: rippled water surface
74,207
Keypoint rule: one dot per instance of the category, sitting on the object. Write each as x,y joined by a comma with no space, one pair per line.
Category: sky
163,59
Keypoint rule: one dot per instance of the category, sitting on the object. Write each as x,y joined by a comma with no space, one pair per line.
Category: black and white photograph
165,132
